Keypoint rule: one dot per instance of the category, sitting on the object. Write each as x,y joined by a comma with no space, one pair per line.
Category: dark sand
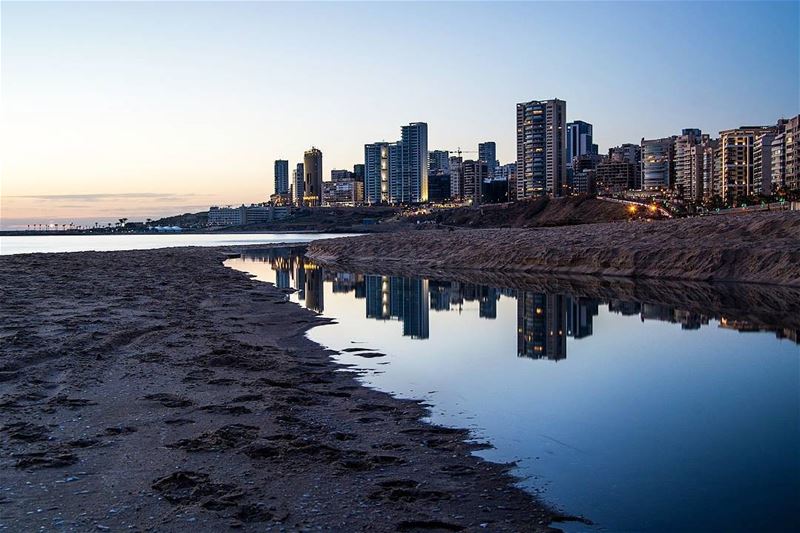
159,390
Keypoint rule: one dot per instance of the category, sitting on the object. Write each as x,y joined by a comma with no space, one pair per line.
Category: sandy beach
757,248
160,390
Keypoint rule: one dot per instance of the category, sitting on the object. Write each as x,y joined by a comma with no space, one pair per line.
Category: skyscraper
412,187
579,140
541,148
487,152
281,177
381,166
298,180
398,172
312,186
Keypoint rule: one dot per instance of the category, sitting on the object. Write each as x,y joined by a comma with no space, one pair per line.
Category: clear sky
142,109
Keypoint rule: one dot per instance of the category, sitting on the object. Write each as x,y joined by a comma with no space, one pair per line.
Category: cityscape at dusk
633,70
404,266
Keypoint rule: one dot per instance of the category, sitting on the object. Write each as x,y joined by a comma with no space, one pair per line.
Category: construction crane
459,151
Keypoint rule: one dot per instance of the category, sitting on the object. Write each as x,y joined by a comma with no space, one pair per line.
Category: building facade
658,165
541,148
312,184
282,177
381,166
688,161
397,173
245,214
762,161
580,140
412,187
298,184
475,174
487,152
456,177
439,161
736,160
792,153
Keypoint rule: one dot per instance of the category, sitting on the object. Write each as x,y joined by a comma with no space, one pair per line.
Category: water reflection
544,320
645,406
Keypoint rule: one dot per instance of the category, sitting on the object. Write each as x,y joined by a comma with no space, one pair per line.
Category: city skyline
205,127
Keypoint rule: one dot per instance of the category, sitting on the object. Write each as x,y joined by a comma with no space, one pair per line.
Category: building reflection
544,321
399,298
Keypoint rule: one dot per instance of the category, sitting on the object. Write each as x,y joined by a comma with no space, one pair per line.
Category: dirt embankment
161,390
538,212
760,247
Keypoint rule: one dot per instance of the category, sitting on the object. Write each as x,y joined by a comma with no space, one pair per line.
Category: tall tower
413,183
298,181
312,186
281,177
541,148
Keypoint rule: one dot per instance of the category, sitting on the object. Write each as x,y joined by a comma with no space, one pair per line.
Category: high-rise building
688,161
439,161
628,153
341,175
298,182
792,153
487,152
736,160
778,162
506,172
281,177
579,140
762,161
312,186
658,166
614,176
358,172
398,172
541,148
710,168
456,177
381,167
412,187
475,173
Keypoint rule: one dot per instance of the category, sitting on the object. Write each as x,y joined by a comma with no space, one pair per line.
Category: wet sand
159,390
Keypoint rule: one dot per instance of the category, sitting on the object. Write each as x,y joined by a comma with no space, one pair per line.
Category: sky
144,109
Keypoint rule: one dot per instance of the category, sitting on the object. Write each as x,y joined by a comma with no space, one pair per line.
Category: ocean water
636,414
25,244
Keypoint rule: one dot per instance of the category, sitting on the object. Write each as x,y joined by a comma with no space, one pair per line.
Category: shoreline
752,248
160,387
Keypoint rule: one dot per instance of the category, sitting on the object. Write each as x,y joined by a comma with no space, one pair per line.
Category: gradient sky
145,109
